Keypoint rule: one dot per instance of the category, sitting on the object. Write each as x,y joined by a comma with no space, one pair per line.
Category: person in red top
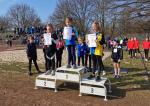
130,45
146,47
136,46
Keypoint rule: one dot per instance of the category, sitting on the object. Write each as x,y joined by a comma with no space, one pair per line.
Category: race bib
115,51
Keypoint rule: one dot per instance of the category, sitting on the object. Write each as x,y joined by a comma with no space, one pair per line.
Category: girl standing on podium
49,39
97,52
71,44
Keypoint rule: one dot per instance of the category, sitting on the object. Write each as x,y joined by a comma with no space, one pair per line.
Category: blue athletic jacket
73,38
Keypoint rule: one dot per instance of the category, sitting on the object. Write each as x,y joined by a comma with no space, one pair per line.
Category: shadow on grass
134,80
117,93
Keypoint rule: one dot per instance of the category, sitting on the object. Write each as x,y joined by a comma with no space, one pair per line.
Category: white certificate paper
47,39
92,40
67,33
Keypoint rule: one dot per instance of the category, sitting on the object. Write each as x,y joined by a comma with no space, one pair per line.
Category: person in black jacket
50,49
117,56
32,54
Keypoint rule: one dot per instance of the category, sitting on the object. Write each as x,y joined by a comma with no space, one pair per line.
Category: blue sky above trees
43,8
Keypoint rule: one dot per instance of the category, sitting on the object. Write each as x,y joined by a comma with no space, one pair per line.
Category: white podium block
68,77
46,81
69,74
95,88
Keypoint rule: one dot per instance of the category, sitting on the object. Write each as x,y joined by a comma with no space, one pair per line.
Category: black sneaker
39,71
90,77
98,78
118,77
68,66
29,73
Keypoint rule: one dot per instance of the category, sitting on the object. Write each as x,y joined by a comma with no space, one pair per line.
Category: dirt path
20,56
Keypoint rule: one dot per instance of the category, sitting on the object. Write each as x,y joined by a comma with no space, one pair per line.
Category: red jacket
136,44
146,44
130,44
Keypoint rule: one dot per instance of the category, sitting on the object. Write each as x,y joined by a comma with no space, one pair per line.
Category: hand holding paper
92,40
67,33
47,39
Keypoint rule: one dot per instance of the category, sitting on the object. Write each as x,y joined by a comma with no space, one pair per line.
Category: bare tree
4,23
79,10
116,16
22,15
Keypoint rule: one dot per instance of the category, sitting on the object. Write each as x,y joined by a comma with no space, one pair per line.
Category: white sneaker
104,72
53,73
48,72
146,59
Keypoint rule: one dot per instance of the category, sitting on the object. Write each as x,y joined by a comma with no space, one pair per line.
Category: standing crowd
90,57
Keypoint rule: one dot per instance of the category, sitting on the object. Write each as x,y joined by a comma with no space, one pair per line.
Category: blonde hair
98,25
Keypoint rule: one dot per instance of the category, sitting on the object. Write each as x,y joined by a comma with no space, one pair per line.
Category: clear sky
44,8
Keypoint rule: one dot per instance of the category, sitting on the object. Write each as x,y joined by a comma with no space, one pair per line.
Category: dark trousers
44,51
103,68
146,51
88,58
135,51
58,58
35,64
81,58
97,63
131,52
71,54
51,64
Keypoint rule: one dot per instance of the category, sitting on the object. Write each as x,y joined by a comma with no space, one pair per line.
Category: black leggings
71,54
146,51
131,52
35,64
97,63
44,51
59,57
82,58
51,64
88,57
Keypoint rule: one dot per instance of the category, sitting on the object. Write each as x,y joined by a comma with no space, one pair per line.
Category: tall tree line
19,15
116,16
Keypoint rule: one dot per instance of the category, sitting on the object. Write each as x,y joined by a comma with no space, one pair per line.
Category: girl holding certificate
69,34
49,39
97,52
